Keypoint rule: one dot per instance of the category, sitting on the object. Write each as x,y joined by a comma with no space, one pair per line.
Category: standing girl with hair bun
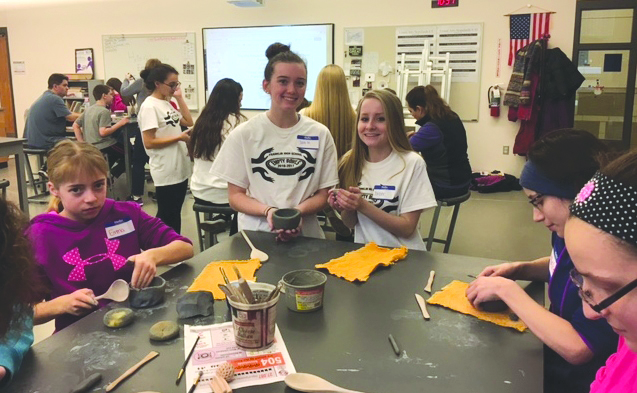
279,159
85,241
384,183
165,143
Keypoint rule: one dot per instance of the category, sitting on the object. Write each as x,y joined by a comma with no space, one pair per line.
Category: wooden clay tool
430,282
219,385
423,308
245,290
132,370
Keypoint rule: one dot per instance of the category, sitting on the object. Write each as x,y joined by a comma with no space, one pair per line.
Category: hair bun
275,49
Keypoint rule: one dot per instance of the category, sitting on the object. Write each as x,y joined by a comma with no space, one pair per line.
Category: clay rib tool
183,367
423,308
430,282
132,370
246,291
194,385
394,345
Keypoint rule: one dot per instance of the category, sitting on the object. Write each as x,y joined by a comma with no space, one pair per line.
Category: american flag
525,29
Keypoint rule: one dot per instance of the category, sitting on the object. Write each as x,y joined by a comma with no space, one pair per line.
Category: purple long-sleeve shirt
73,255
427,136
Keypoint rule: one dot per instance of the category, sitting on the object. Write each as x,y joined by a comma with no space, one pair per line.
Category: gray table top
345,342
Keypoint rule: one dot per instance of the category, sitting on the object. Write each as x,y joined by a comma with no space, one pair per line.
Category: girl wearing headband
559,164
601,236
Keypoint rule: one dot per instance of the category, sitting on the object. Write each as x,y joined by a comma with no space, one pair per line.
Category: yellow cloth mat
453,296
359,264
210,277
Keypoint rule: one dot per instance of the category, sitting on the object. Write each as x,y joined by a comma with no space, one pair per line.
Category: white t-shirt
205,185
170,164
280,167
398,184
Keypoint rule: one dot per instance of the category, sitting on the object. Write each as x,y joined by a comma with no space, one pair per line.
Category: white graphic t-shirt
280,167
170,164
398,184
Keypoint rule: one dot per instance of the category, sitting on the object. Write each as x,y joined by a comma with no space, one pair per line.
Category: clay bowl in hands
286,218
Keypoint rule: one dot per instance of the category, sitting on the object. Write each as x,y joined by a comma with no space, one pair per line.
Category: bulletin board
127,53
380,49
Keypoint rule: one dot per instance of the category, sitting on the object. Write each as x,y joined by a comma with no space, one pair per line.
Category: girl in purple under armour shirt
86,241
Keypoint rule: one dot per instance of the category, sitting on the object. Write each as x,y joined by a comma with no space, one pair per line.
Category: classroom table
15,146
346,342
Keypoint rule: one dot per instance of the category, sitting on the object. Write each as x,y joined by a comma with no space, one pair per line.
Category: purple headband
609,205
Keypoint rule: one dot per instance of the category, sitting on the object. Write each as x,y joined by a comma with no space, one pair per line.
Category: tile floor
497,226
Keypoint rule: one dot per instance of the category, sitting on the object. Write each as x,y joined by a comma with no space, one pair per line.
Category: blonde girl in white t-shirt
384,183
279,159
164,141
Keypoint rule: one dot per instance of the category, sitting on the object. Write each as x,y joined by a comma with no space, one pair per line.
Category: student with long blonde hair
85,241
332,107
384,183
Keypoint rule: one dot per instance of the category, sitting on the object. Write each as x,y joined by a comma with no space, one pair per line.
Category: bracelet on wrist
267,210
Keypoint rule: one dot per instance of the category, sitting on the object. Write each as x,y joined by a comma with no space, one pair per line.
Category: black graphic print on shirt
286,163
172,118
386,205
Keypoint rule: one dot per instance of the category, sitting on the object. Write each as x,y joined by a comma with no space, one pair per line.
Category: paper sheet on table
216,345
453,296
359,264
210,277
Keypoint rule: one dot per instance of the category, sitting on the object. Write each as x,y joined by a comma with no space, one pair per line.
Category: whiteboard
127,53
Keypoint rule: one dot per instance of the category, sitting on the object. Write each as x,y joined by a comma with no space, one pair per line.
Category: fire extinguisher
493,95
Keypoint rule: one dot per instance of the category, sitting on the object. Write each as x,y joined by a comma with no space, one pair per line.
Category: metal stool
40,183
455,202
4,183
212,224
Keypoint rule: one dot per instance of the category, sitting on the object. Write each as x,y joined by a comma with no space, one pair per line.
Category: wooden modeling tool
423,308
311,383
223,274
246,291
152,355
237,272
194,385
183,366
430,282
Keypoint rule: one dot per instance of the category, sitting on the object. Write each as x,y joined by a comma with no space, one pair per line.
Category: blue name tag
384,192
307,142
119,228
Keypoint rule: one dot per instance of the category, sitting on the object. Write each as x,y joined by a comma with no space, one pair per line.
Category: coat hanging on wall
526,27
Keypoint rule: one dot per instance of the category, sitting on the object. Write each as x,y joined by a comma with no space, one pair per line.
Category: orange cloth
359,264
453,296
210,277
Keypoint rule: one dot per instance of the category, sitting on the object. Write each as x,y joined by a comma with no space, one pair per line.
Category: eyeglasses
173,85
537,200
578,280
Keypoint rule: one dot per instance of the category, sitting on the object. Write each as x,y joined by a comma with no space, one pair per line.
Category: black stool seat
455,202
34,150
214,223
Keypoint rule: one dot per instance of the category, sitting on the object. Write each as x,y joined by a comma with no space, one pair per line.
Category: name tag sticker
307,142
384,192
119,228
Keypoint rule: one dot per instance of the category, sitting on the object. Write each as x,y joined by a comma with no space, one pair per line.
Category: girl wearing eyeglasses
601,236
165,143
559,165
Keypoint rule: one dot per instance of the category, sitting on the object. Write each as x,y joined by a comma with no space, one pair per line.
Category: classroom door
7,112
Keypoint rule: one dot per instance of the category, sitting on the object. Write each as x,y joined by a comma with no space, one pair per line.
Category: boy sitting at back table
94,126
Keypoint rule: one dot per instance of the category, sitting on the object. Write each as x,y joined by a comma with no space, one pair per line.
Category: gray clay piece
164,330
493,306
119,317
87,384
150,296
286,218
195,303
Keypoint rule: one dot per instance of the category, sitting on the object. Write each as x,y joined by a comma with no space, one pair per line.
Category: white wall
45,37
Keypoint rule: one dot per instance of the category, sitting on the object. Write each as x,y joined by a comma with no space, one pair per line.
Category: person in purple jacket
442,142
85,241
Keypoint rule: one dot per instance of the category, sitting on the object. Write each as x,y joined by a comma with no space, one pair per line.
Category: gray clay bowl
149,296
286,219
